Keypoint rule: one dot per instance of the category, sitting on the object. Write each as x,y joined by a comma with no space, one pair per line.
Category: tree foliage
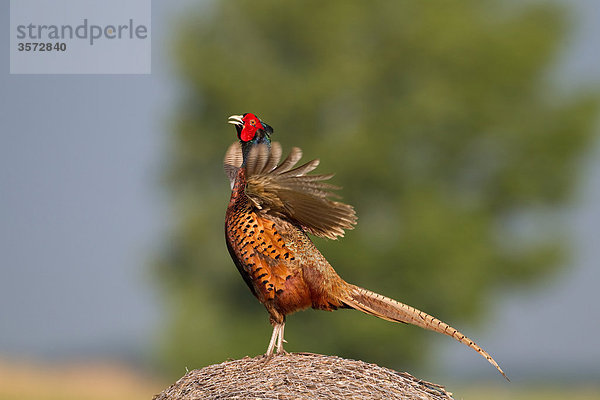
442,126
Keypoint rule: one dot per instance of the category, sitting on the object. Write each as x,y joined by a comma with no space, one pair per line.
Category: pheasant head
251,130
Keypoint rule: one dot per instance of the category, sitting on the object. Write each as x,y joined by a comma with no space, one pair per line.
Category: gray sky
81,208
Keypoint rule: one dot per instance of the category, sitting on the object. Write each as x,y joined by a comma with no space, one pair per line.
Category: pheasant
273,208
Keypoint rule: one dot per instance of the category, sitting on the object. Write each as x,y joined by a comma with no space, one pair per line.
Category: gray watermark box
80,36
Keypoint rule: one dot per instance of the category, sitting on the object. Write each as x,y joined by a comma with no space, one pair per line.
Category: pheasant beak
236,120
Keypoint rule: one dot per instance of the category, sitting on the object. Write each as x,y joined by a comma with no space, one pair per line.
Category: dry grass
300,376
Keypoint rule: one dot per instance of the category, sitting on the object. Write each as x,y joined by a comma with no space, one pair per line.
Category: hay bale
300,376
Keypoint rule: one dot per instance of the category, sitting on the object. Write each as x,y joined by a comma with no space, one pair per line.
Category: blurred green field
110,381
521,392
75,381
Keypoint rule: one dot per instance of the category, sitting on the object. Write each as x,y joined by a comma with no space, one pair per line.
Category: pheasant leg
277,331
281,340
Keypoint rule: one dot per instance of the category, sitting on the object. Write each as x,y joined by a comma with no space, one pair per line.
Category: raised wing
233,161
284,190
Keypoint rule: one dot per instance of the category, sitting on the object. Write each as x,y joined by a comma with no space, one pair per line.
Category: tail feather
392,310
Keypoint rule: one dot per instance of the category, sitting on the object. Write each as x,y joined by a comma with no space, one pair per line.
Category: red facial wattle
251,125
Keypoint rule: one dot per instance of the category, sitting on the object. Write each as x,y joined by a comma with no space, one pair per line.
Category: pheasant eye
253,122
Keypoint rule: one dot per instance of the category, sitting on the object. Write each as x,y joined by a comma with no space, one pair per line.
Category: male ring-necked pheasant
273,208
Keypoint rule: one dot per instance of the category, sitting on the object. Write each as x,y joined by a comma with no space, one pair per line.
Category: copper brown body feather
272,208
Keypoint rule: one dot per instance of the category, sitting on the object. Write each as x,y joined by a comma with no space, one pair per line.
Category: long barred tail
392,310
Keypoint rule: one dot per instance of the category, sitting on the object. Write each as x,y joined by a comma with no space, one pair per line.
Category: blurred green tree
443,126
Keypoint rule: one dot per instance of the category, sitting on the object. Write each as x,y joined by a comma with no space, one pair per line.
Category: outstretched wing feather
233,161
288,192
289,162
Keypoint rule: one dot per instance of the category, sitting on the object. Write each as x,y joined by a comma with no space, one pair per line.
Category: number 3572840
36,46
